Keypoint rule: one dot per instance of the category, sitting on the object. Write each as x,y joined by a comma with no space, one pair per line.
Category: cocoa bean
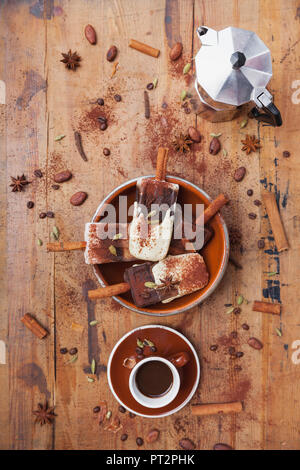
187,444
152,435
194,134
255,343
111,53
62,176
78,198
214,146
90,34
239,173
176,51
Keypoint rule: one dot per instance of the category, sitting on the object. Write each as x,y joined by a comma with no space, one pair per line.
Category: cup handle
179,359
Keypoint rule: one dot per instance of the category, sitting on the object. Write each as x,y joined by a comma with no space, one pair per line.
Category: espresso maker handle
271,114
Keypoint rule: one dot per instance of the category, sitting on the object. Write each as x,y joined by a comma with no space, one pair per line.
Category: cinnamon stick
66,246
266,307
109,291
214,207
215,408
33,325
275,221
161,163
144,48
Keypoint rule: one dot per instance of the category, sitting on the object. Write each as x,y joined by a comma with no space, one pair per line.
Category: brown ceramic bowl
215,253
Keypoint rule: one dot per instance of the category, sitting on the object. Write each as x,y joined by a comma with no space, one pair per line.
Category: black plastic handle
271,115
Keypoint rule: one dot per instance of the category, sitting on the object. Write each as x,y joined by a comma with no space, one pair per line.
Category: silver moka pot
233,68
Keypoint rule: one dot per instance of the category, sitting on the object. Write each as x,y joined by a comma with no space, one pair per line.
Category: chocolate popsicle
170,278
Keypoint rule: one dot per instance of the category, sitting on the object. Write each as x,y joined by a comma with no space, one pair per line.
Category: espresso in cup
154,379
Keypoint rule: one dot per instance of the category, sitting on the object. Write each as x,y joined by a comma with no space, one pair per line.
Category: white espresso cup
169,396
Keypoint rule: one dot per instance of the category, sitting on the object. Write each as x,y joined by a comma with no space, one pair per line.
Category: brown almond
214,146
90,34
239,173
62,176
152,435
187,444
255,343
78,198
222,447
176,51
194,134
111,53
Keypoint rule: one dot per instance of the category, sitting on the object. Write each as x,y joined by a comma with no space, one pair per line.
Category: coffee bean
255,343
96,409
100,101
252,216
63,350
214,146
222,447
62,176
132,415
234,334
153,349
106,152
176,51
122,409
239,173
139,350
55,186
90,34
250,192
139,441
102,119
124,437
118,98
111,53
73,351
239,354
194,134
152,435
164,105
50,214
103,126
78,198
286,154
231,351
245,326
150,86
261,244
237,311
30,204
237,368
213,347
257,202
38,173
187,444
42,215
187,110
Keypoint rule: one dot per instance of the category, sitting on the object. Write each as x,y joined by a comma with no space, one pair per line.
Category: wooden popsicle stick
66,246
109,291
215,408
275,221
144,48
161,163
266,307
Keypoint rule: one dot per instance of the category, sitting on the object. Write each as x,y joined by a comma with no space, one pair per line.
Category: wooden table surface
44,100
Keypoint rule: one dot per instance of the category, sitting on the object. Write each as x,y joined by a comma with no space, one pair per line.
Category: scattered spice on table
34,326
146,105
73,351
39,242
38,173
79,147
30,204
214,146
250,144
71,59
59,137
19,183
122,409
213,347
139,441
100,101
182,143
50,214
44,414
286,154
252,216
63,350
55,186
114,69
250,192
90,34
124,437
42,215
144,48
106,152
111,53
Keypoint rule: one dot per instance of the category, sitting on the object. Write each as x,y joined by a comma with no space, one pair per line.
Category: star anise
44,414
182,143
71,59
251,144
167,283
18,183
